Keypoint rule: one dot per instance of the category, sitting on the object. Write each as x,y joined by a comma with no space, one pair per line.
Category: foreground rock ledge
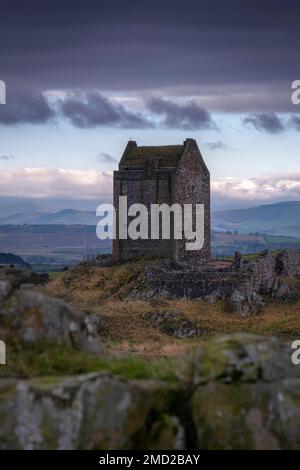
236,392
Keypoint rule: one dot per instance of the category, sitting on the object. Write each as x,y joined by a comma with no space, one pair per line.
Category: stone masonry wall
193,186
149,186
156,182
260,276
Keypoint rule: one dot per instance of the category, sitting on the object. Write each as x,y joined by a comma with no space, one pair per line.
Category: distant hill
63,217
272,219
11,258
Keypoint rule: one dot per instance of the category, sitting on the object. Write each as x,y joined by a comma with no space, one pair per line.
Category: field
48,248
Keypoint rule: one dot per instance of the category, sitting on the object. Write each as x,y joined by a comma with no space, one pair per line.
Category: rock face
245,302
241,284
94,411
174,324
236,392
33,317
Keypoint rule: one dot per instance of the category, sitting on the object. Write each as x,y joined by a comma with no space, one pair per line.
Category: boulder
34,317
243,301
5,290
286,293
243,357
91,411
248,395
237,391
174,324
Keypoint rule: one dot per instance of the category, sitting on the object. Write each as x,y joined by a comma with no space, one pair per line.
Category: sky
83,78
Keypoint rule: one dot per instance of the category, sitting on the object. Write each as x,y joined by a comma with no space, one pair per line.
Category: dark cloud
137,46
91,110
7,157
218,146
295,122
105,158
188,116
25,107
265,122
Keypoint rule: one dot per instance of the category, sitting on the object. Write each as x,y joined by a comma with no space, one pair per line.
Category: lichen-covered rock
174,324
243,357
238,391
245,302
5,290
167,433
33,317
248,395
93,411
288,263
286,293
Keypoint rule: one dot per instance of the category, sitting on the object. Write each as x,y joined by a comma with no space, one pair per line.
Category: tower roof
164,156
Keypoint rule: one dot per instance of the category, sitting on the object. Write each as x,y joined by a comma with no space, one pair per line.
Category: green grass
55,274
51,360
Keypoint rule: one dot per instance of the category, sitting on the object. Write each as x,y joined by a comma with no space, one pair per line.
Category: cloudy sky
83,77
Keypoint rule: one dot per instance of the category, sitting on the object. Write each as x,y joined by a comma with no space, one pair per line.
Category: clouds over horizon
91,184
55,183
87,110
90,109
264,188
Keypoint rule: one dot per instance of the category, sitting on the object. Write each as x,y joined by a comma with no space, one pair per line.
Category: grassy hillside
128,325
273,219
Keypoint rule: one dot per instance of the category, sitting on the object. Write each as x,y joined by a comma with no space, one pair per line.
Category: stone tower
163,174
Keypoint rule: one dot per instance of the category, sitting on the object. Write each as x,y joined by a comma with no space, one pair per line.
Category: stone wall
149,186
193,186
262,276
288,263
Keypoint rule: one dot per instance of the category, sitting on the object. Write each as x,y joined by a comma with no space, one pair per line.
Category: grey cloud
219,145
105,158
295,122
87,110
265,122
25,107
188,116
7,157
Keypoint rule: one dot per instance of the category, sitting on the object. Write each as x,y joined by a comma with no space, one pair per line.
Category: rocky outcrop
288,263
174,324
242,284
32,317
235,392
244,301
94,411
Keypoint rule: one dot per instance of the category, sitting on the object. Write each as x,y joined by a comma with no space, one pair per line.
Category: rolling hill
272,219
63,217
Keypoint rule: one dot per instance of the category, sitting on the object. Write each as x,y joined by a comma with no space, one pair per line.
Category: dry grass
103,291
